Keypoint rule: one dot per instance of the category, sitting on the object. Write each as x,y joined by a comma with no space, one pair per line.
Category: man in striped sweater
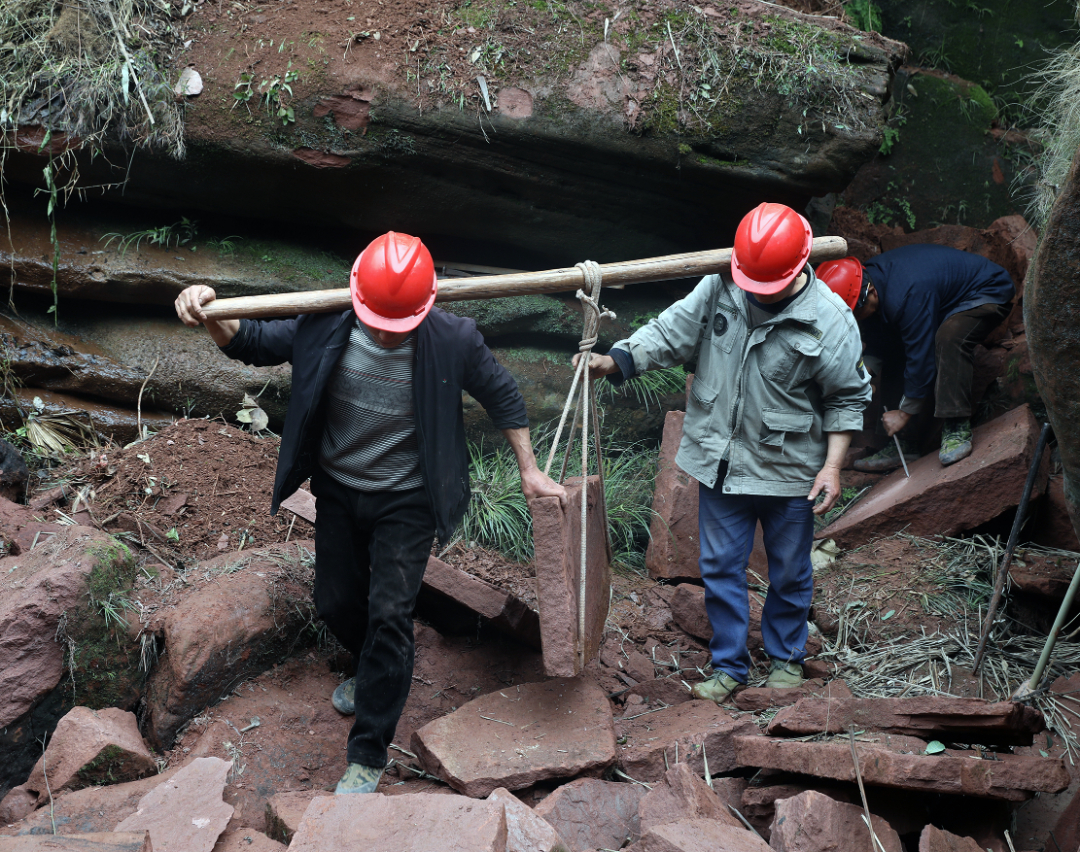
375,420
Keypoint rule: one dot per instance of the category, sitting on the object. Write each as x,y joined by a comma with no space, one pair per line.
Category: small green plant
274,92
891,135
173,535
864,15
178,233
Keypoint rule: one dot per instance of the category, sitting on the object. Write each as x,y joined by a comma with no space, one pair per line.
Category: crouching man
777,392
375,419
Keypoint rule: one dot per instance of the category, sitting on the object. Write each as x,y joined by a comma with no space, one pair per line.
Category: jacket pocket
699,406
784,350
780,426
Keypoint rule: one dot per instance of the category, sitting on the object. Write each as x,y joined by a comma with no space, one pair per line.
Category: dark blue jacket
921,286
451,356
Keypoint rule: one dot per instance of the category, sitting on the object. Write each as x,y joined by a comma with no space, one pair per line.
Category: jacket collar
803,310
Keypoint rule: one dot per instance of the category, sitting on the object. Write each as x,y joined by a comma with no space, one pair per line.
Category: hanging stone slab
557,559
520,735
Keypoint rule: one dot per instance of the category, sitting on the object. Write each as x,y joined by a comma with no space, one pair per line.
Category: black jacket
451,356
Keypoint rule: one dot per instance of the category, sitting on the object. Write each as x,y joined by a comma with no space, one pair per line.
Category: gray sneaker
955,441
359,779
343,698
718,688
783,675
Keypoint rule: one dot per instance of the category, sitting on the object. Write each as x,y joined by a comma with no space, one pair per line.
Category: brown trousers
954,350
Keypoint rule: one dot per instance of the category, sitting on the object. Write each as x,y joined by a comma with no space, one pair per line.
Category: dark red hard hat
772,244
845,278
393,283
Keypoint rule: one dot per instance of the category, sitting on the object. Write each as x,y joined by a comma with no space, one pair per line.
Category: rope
586,404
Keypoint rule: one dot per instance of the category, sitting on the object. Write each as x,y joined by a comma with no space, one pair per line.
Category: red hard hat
845,279
772,244
393,283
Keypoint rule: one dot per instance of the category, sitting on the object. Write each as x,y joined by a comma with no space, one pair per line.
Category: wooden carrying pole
571,278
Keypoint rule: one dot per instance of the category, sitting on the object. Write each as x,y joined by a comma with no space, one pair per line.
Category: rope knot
590,304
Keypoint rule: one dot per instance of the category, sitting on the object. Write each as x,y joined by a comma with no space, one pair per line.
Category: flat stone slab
698,835
414,822
103,841
674,548
505,611
526,831
934,839
185,813
690,733
285,812
557,559
939,500
1009,777
91,747
965,720
1042,574
593,814
519,735
683,795
760,698
813,822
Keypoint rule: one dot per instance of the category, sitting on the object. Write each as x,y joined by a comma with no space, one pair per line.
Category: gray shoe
718,688
784,675
343,698
955,441
359,779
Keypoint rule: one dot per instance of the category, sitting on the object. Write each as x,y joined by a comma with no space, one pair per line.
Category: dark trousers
954,352
371,549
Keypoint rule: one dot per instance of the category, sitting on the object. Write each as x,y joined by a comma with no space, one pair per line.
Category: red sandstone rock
688,611
506,612
247,840
185,813
956,719
683,795
91,747
1008,777
1043,575
557,559
526,830
36,588
285,811
1052,526
237,625
813,822
673,532
762,698
698,835
520,735
758,804
415,822
592,814
935,840
106,841
16,804
687,733
940,500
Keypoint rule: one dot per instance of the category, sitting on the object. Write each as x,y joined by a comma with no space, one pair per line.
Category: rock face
683,795
106,841
698,835
812,822
940,500
593,814
1051,311
933,839
569,642
518,736
526,831
413,822
238,625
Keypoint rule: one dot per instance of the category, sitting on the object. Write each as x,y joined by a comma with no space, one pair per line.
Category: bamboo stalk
664,268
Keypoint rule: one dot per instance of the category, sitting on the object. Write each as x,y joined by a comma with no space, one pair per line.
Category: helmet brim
762,288
395,324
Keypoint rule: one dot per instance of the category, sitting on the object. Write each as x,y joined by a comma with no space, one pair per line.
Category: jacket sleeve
490,383
671,338
263,343
916,325
843,380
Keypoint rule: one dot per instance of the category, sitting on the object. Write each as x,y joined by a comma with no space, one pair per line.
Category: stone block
965,720
674,549
758,804
899,762
526,831
690,733
91,747
1045,575
939,500
285,811
414,822
934,839
247,840
102,841
683,795
760,698
593,814
185,813
698,835
557,559
520,735
813,822
506,612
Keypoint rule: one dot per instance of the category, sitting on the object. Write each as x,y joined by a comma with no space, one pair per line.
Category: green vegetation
178,233
864,15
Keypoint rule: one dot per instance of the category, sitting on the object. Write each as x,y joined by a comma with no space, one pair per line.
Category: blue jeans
726,525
